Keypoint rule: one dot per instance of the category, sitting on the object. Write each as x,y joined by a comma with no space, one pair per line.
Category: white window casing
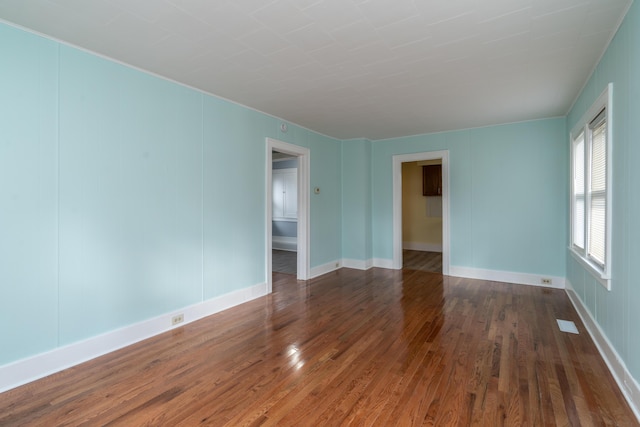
591,145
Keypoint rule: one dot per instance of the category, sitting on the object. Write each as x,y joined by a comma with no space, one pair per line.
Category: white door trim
397,204
303,206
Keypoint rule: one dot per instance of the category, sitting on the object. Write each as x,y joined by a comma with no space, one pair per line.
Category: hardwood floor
421,260
376,347
284,261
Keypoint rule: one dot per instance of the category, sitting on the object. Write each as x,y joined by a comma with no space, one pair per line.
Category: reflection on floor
284,261
423,261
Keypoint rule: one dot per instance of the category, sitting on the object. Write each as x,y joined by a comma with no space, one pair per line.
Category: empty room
319,212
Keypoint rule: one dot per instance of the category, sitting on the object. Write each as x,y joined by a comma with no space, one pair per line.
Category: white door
291,194
285,194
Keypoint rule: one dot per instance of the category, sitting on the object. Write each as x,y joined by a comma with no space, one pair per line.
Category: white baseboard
350,263
30,369
357,264
627,384
324,269
425,247
284,243
383,263
507,277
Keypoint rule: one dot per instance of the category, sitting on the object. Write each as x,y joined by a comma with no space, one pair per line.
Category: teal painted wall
124,196
356,200
326,213
28,195
129,196
508,190
616,310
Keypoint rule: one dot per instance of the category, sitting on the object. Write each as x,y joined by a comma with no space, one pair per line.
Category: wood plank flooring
421,260
377,347
284,261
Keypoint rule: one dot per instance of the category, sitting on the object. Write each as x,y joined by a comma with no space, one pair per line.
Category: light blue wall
356,200
325,215
616,311
284,228
114,188
508,187
28,195
130,196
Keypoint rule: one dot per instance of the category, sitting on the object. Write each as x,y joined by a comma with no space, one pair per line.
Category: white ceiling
352,68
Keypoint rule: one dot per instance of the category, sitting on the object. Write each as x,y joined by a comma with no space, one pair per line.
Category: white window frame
602,272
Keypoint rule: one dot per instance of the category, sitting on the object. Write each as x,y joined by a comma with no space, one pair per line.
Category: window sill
593,269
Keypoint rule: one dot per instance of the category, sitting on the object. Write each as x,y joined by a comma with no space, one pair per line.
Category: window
591,189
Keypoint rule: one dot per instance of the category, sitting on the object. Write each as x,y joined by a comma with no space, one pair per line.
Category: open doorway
422,215
284,221
300,205
440,203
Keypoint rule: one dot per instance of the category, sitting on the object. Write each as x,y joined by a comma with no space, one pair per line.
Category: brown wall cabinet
432,180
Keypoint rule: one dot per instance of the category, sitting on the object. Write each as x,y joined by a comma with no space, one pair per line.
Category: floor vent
567,326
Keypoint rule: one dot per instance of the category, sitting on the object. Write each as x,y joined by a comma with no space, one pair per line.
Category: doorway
424,159
284,228
422,215
301,155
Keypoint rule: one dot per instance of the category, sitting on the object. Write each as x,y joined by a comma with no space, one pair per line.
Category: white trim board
627,384
507,277
384,263
357,264
319,270
284,243
32,368
466,272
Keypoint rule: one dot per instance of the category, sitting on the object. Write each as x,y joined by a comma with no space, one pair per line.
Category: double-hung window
591,189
